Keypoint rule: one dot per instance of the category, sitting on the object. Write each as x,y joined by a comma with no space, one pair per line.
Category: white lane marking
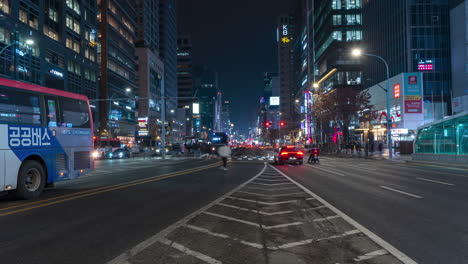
251,223
314,208
326,218
371,255
206,231
268,180
334,172
267,203
439,182
308,241
273,189
271,177
190,252
384,244
122,258
346,165
272,184
271,195
402,192
254,211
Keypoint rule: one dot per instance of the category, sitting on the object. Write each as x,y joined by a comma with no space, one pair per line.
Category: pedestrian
380,148
224,152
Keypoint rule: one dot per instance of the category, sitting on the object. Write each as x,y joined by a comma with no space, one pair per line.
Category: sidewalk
371,155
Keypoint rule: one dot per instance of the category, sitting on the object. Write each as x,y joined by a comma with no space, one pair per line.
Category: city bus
46,135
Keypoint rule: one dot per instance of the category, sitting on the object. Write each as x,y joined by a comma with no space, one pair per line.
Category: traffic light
282,124
267,124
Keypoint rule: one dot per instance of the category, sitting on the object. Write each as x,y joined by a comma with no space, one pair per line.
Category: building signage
425,65
396,90
196,108
56,73
142,121
285,30
274,101
413,93
400,131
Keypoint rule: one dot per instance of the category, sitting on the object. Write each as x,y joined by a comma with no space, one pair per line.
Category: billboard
413,93
196,108
274,101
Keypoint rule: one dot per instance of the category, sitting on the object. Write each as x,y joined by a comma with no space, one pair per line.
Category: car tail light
300,153
284,153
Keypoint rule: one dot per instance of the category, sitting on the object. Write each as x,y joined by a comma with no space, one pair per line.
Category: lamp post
358,53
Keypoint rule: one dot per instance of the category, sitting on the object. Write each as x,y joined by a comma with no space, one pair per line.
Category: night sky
237,39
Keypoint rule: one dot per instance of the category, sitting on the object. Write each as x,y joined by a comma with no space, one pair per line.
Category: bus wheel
31,180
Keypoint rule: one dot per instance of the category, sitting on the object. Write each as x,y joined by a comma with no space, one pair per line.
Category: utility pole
163,118
103,115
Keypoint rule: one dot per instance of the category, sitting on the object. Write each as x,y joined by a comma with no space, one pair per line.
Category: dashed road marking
439,182
271,195
402,192
272,184
206,231
254,211
371,255
250,222
326,218
273,189
266,203
308,241
334,172
190,252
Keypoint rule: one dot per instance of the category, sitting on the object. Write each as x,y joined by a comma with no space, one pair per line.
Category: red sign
413,79
413,106
396,91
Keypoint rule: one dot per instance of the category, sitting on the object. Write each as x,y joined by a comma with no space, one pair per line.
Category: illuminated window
53,14
74,5
4,35
33,22
69,22
336,4
337,35
353,35
76,26
336,19
69,43
353,4
23,16
5,6
50,33
353,19
76,46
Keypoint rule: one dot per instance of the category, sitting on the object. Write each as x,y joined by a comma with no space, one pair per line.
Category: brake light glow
284,153
300,153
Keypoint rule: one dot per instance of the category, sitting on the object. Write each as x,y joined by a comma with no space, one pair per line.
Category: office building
226,117
285,35
411,36
184,71
150,84
55,44
118,69
168,49
147,24
459,54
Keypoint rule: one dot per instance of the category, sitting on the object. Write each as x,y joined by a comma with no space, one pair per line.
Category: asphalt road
420,209
93,219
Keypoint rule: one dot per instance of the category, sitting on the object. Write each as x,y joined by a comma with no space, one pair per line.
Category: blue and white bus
46,135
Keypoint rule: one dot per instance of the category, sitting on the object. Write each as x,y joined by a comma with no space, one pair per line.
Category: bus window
51,112
75,113
19,107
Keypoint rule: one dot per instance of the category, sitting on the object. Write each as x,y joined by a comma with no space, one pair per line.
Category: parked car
119,154
289,154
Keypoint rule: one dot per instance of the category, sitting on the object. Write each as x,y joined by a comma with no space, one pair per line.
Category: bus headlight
95,154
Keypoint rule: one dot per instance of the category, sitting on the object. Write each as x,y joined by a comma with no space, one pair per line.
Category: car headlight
121,154
111,155
95,154
158,151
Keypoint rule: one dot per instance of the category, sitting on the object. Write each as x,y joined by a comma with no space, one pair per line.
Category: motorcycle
314,156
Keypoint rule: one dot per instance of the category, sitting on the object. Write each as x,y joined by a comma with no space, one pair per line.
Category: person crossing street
224,152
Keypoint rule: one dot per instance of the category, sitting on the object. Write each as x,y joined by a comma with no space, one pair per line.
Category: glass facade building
63,53
449,136
412,36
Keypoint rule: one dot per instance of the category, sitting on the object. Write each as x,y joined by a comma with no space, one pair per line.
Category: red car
289,154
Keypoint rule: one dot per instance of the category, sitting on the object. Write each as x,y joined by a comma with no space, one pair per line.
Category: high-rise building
411,36
150,83
285,35
459,54
207,91
50,43
226,116
118,69
168,49
147,24
184,71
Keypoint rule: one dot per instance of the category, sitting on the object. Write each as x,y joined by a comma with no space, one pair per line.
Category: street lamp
358,53
128,90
